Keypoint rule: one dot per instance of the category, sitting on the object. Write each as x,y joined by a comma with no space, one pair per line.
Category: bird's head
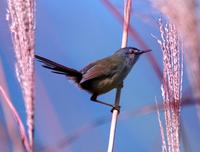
131,52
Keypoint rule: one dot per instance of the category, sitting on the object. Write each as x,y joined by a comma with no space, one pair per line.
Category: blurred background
75,33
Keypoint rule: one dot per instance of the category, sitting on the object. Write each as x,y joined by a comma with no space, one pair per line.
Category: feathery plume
21,16
172,84
184,14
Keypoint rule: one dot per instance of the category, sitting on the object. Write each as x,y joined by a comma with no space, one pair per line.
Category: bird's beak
144,51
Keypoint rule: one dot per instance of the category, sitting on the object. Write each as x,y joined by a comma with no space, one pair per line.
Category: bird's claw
114,107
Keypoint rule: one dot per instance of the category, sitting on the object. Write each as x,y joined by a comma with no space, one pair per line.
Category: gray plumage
102,75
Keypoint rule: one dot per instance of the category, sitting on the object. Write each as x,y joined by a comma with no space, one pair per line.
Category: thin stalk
22,131
143,111
115,113
136,38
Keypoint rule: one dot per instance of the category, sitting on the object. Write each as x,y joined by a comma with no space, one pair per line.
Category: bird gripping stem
117,98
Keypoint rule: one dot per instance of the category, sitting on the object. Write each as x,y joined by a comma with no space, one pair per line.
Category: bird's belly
103,86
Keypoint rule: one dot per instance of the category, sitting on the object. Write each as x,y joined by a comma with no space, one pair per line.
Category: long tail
72,74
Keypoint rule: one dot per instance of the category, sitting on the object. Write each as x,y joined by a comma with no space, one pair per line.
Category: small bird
102,75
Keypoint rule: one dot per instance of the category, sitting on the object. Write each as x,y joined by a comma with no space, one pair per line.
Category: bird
100,76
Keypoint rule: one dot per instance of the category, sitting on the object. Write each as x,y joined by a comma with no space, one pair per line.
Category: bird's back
103,75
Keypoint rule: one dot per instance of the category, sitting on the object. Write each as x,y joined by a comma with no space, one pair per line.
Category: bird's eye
131,51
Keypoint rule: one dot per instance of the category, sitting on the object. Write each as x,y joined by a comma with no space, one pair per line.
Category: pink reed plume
172,85
22,26
184,14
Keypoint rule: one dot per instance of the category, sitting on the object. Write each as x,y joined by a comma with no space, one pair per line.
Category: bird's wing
101,68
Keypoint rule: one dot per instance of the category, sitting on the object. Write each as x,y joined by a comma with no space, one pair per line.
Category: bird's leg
94,98
121,85
117,98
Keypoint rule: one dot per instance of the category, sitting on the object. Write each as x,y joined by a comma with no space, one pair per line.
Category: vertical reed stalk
136,38
127,14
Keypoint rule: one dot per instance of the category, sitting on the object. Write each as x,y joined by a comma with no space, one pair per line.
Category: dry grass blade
162,132
8,115
22,131
21,17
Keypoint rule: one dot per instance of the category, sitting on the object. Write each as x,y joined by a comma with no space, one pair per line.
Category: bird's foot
116,107
94,98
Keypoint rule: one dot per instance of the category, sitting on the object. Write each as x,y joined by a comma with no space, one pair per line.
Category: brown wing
105,67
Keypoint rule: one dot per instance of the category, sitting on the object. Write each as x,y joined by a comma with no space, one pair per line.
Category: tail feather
72,74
